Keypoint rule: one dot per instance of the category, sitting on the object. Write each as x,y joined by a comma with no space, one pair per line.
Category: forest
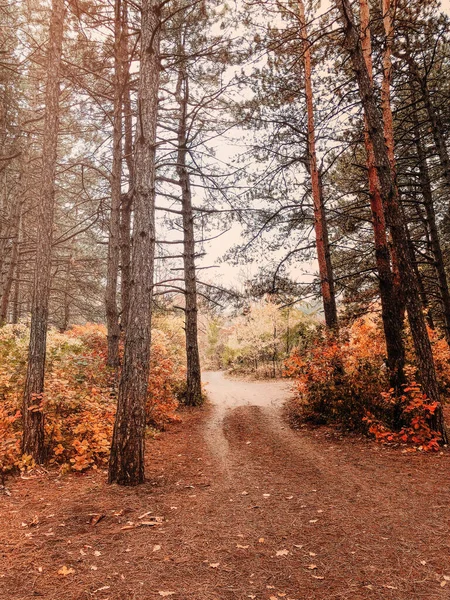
224,269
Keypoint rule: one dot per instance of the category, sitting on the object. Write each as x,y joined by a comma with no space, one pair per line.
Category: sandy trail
227,394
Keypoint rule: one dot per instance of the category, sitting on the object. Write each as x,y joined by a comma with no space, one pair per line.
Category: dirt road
249,509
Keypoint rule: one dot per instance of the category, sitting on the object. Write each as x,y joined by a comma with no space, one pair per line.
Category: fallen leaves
150,522
166,594
64,571
283,552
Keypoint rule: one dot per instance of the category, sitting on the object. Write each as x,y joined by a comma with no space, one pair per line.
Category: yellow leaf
66,571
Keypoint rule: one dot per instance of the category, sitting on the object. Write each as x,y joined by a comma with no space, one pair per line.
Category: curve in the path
372,521
227,394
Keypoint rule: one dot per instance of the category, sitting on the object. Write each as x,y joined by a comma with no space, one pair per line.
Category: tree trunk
127,199
126,466
112,310
394,217
16,296
388,8
33,416
12,267
392,324
125,257
320,222
193,375
437,129
427,195
66,294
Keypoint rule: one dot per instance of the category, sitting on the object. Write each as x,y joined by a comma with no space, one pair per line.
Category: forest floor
237,506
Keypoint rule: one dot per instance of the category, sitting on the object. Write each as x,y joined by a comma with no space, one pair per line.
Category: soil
237,505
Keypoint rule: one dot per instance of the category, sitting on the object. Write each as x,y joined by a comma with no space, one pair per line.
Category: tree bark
193,375
388,8
394,217
320,222
427,195
12,267
127,199
112,310
392,324
16,312
437,127
126,466
33,415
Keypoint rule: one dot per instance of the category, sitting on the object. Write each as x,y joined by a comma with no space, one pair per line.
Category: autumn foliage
79,400
345,382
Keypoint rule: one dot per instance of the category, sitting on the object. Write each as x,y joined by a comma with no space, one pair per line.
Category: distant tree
33,415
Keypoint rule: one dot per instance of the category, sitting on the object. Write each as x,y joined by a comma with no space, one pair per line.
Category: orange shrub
79,401
345,382
167,376
417,412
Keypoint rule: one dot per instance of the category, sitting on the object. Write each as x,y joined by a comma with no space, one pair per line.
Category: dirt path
250,509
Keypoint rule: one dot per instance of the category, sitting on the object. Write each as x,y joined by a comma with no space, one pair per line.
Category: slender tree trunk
125,254
127,199
12,267
320,222
66,295
437,127
33,415
126,466
394,217
427,195
112,310
16,296
388,8
193,375
392,324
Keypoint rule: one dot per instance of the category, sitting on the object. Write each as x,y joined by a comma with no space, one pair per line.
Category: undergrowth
344,382
80,396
